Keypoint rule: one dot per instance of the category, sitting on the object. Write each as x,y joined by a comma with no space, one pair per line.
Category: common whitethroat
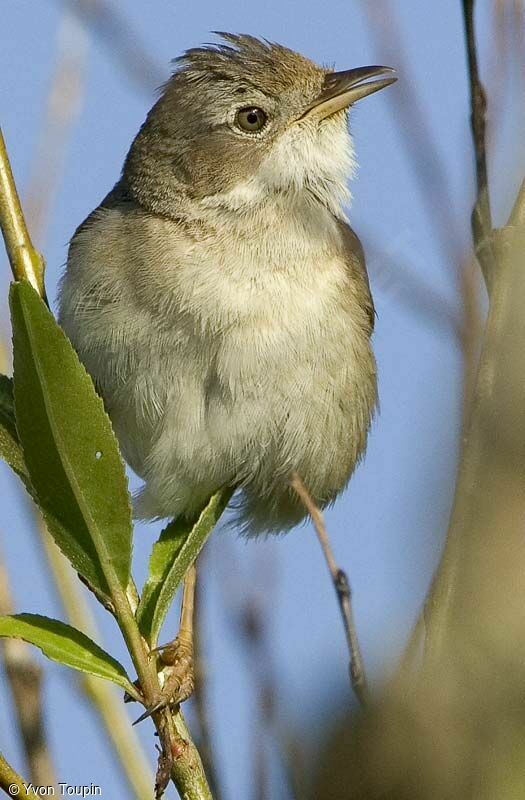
218,296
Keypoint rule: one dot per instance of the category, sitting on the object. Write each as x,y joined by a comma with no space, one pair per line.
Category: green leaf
67,645
7,406
69,447
10,449
175,551
11,453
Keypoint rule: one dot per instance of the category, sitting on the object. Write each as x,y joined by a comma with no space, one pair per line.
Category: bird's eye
251,119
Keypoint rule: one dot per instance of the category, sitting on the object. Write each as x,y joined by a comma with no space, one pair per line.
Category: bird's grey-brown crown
244,59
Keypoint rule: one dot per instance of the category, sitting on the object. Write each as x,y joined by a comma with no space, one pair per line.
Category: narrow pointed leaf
7,406
69,446
67,645
10,449
177,548
11,453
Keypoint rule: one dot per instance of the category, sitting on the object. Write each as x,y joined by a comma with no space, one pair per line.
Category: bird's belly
266,400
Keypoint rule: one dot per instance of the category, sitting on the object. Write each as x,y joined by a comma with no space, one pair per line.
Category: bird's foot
177,673
179,676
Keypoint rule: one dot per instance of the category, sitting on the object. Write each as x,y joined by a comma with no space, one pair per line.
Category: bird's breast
261,270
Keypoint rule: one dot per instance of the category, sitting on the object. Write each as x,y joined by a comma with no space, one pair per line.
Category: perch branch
478,121
200,691
26,263
12,783
481,214
342,589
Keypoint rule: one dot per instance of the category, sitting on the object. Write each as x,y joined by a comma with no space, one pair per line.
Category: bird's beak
343,89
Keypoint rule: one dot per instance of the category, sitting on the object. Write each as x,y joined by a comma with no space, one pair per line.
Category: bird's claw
178,673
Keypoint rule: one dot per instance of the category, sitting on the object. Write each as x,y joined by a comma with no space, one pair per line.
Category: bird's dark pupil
251,119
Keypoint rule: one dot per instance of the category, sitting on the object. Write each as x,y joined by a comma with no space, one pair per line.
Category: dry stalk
342,589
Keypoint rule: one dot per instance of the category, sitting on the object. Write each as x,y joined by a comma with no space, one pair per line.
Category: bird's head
245,118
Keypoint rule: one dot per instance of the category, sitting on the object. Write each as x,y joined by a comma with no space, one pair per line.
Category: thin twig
199,693
26,263
342,588
12,783
24,676
188,603
477,120
481,215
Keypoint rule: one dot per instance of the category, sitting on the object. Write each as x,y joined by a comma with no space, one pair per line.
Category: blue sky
411,206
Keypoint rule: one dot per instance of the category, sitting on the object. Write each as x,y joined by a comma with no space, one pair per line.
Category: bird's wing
117,197
355,259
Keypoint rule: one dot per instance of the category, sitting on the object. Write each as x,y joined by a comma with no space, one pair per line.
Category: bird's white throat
306,160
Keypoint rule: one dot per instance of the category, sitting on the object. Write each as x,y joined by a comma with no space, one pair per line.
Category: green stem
137,647
187,772
26,262
11,782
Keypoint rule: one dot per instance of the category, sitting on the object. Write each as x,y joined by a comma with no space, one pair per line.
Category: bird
218,296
